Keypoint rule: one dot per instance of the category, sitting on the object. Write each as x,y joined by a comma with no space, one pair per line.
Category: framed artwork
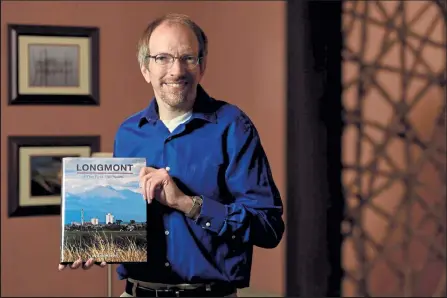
56,65
35,164
102,154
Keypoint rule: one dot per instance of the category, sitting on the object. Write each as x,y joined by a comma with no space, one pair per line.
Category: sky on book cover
98,193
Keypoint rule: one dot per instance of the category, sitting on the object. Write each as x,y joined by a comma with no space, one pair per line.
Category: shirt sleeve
255,214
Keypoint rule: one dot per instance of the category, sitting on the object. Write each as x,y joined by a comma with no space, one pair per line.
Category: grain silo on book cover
103,210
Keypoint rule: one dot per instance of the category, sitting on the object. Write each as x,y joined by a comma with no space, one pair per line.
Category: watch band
196,205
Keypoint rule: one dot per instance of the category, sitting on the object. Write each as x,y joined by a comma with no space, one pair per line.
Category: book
103,211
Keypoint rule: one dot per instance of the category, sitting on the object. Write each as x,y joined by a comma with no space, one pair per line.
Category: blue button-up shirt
216,154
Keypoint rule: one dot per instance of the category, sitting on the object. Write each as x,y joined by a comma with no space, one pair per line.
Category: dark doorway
314,123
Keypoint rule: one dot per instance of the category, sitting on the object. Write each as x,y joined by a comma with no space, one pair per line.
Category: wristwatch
197,202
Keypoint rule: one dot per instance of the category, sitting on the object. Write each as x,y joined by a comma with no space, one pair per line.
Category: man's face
175,84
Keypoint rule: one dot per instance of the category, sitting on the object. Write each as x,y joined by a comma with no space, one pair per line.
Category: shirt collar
204,108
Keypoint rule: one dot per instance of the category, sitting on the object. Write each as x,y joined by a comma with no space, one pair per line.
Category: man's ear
145,73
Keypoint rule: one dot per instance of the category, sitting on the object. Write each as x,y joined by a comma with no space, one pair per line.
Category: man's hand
157,184
89,264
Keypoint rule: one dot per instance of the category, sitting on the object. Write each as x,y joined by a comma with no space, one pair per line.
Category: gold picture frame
35,171
56,65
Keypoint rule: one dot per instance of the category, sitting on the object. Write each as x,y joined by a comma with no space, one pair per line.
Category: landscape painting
46,175
35,171
103,210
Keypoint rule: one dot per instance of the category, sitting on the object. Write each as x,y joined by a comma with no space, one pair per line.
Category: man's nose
177,67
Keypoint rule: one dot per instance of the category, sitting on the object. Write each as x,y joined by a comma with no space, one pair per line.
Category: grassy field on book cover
103,211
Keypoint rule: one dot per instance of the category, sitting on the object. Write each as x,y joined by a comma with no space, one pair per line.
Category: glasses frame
171,62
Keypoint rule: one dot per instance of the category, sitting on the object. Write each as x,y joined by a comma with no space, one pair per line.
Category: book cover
103,211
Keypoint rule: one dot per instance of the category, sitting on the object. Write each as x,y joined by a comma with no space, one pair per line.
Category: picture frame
35,164
53,65
102,154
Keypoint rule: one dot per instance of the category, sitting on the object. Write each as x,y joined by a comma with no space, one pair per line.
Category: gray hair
143,42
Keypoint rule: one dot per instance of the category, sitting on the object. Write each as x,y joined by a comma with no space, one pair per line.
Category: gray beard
173,99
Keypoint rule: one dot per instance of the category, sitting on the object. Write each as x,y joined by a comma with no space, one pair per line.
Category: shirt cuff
212,215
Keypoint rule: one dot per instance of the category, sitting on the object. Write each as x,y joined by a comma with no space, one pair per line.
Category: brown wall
247,51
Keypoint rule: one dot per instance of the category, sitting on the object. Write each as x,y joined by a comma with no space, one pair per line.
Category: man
208,184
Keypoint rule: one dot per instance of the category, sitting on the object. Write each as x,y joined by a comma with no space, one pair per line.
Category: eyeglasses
168,59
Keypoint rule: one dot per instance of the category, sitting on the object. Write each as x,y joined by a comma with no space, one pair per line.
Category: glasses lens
163,59
189,60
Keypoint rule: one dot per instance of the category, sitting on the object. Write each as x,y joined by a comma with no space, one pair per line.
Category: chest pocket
202,170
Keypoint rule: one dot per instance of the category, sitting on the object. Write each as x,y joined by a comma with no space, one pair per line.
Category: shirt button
167,264
207,224
166,233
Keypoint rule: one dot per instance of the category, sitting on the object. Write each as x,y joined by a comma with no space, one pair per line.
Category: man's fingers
88,264
147,185
62,267
146,170
142,172
155,183
150,180
149,189
144,181
76,264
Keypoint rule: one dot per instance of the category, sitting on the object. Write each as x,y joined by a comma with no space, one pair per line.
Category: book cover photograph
103,211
